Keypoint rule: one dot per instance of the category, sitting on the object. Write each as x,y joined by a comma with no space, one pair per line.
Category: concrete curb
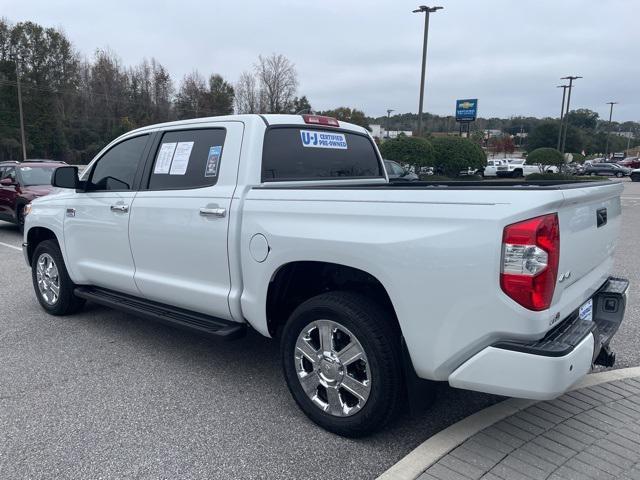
436,447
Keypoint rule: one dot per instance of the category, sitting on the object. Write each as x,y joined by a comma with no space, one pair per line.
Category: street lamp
564,93
389,119
22,136
606,149
566,119
427,11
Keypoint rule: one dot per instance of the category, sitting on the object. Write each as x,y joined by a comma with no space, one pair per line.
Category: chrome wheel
332,368
48,279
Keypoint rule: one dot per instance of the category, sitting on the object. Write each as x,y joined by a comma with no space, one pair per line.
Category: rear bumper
546,368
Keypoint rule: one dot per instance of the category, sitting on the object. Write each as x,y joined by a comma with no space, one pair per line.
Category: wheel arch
294,282
37,235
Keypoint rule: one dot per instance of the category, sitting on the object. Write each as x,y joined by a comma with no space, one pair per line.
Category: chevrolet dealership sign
466,110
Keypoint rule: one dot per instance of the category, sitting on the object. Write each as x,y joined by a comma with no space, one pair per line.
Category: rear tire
619,175
51,281
348,323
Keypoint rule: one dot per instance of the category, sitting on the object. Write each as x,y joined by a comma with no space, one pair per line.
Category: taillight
321,120
530,256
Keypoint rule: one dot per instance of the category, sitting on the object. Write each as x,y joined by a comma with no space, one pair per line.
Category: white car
288,225
492,167
519,167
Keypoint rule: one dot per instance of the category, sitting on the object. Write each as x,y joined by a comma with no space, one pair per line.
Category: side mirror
7,182
65,177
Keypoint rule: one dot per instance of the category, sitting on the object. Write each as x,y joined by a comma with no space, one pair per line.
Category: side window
187,159
10,172
116,169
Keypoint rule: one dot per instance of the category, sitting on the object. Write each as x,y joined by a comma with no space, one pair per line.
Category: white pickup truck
288,224
518,167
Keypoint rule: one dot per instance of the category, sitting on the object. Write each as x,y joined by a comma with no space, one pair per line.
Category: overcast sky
510,54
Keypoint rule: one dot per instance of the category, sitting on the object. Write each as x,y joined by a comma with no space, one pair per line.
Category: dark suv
606,169
21,182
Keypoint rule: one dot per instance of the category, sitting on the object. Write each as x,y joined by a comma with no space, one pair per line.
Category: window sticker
211,169
165,155
315,139
181,158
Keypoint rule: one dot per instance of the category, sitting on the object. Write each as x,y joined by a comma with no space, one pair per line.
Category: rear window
303,153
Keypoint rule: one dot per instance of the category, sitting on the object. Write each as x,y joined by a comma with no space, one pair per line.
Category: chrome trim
213,212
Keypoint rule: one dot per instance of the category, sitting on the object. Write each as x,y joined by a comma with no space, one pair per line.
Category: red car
21,182
630,162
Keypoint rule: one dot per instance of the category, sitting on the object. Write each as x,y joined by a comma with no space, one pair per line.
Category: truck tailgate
589,226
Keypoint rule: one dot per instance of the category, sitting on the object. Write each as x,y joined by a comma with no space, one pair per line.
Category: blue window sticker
213,159
323,139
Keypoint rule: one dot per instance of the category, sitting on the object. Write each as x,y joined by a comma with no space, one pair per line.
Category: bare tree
247,99
278,82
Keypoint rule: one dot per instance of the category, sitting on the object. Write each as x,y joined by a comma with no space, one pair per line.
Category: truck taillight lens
320,120
530,256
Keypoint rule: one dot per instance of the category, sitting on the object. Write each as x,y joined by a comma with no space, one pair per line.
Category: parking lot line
11,246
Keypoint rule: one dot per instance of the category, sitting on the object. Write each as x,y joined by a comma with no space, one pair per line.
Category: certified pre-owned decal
315,139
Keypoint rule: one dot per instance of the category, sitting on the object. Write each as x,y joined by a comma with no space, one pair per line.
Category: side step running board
207,325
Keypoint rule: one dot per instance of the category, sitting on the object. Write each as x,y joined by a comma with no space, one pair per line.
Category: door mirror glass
7,182
65,177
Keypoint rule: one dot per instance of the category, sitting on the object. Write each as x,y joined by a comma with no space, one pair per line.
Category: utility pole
24,144
606,149
564,94
389,110
427,11
566,119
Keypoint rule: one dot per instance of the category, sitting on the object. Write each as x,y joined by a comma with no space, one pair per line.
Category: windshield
36,175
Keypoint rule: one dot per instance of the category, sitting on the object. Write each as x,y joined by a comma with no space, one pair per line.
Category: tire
635,178
48,264
619,175
518,173
377,373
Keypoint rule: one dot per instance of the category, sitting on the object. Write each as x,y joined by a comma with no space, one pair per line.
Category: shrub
545,156
454,154
414,151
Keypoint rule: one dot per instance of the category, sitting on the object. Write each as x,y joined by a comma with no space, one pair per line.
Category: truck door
180,218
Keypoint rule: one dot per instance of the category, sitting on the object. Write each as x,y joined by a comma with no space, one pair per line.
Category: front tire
51,281
342,363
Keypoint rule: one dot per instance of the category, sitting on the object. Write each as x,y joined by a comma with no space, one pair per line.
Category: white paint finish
522,375
97,240
259,248
181,256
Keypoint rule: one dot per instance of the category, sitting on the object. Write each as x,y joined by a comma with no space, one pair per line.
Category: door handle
120,208
213,212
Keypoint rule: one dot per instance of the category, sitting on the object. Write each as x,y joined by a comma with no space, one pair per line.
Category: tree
347,114
196,99
278,82
219,99
247,95
301,105
583,118
454,154
414,151
545,157
546,135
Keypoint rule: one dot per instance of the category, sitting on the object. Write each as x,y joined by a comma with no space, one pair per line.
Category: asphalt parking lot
106,395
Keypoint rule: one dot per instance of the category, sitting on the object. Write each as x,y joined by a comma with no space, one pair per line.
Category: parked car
492,167
396,172
630,162
22,182
635,175
287,224
518,167
606,170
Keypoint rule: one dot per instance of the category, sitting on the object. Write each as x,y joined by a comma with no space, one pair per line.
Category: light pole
389,110
427,11
606,149
22,137
566,118
564,94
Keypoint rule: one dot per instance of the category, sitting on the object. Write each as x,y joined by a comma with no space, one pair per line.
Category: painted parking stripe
11,246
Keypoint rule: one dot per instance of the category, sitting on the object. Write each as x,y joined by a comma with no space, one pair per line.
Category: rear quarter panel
437,253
